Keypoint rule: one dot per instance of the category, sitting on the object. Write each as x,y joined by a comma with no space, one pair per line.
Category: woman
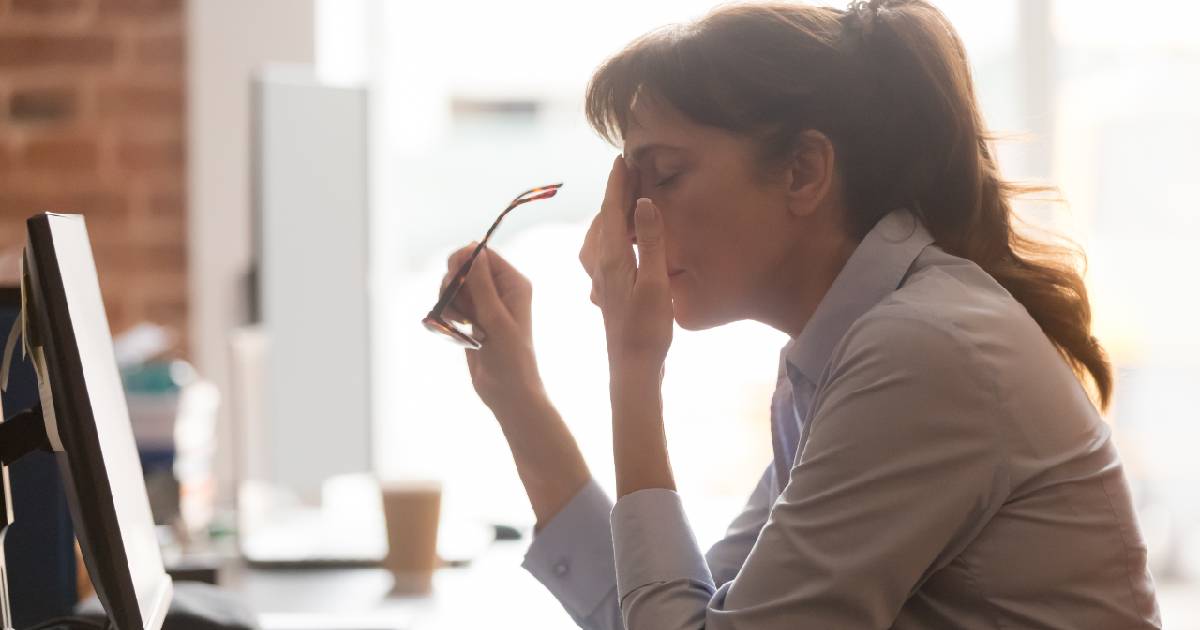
938,461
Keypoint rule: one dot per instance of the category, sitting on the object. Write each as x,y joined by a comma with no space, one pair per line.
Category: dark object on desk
40,543
314,562
195,606
204,570
506,532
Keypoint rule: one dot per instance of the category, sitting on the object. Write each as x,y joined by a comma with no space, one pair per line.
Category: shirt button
560,568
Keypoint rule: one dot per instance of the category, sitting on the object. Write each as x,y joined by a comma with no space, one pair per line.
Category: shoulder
950,318
903,338
905,387
914,372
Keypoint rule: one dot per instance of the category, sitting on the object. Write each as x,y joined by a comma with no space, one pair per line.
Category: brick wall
91,121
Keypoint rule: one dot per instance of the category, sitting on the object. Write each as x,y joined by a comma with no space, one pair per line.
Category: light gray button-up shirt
943,468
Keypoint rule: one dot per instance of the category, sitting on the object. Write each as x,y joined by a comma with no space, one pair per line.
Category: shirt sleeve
580,536
572,556
901,469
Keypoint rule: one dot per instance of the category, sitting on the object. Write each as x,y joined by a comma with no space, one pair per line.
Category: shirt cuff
653,542
572,555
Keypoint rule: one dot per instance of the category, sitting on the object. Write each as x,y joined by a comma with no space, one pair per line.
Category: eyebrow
641,152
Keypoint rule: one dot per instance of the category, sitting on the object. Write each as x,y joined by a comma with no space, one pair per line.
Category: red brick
160,49
56,8
164,285
113,70
167,204
48,50
61,154
43,104
117,312
124,257
167,312
160,233
142,155
140,100
94,204
12,219
146,8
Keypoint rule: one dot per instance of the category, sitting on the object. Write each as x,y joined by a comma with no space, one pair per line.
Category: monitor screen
88,423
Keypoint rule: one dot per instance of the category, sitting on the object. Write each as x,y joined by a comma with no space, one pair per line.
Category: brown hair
889,84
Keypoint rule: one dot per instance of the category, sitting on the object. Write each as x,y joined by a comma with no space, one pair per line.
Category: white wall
227,41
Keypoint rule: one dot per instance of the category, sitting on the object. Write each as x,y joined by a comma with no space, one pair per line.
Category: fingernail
645,211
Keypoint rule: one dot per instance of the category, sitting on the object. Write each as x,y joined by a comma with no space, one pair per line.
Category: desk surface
493,587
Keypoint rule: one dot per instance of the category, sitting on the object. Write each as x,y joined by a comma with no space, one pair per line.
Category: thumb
648,226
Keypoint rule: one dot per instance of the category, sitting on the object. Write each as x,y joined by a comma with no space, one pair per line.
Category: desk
493,591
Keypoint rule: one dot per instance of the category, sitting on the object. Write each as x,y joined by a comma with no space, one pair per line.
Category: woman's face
727,230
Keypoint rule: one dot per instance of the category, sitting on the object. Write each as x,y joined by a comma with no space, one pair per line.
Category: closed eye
666,181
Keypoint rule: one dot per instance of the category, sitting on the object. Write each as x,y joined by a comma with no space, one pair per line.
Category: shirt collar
875,269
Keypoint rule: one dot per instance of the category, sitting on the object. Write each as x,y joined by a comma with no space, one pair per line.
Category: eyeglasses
464,333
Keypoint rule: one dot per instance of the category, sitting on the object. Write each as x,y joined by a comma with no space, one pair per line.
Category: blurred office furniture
492,591
173,413
40,544
301,368
310,182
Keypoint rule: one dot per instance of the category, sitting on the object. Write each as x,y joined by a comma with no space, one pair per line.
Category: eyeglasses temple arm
456,283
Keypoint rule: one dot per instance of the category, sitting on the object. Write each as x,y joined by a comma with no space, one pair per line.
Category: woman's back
1061,548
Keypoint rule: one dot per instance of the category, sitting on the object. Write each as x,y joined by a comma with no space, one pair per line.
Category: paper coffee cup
411,510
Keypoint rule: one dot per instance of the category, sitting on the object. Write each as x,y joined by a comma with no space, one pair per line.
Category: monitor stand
23,433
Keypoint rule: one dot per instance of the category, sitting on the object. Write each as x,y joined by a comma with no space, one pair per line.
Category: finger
512,286
489,308
452,314
652,255
588,253
614,243
500,267
461,302
460,256
454,263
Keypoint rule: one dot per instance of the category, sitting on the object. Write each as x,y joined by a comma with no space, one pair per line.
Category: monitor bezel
89,496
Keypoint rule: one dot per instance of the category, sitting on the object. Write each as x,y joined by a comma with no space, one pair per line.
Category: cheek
701,226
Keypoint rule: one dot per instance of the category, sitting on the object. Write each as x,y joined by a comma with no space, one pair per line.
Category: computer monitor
87,423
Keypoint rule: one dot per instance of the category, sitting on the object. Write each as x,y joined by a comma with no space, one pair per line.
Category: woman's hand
634,295
497,299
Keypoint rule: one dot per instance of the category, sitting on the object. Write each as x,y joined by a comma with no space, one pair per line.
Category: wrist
522,406
635,376
548,460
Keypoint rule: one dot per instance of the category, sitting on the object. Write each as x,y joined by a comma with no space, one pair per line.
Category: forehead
655,125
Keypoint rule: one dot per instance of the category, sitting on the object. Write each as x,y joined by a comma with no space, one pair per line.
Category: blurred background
272,188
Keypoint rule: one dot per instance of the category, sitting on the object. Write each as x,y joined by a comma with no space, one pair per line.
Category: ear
810,173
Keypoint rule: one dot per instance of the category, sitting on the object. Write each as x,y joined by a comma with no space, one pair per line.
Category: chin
692,316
